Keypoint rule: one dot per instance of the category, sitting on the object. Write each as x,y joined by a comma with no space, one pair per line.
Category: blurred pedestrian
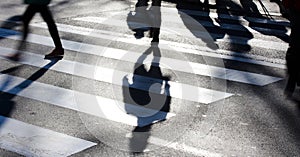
40,6
154,17
293,54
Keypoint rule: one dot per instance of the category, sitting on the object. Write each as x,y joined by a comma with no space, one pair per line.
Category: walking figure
293,52
154,17
40,6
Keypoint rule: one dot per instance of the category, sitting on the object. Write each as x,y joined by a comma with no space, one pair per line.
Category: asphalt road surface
212,86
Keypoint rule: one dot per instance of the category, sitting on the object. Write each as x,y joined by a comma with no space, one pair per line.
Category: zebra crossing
30,140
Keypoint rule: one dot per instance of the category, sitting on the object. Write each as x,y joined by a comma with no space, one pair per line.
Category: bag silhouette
37,2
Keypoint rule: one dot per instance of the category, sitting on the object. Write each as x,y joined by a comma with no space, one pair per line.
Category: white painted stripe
200,34
179,147
95,105
116,77
194,68
185,48
30,140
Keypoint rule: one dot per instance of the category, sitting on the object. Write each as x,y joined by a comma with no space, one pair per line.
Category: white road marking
153,140
30,140
184,48
203,35
194,68
179,146
98,106
176,19
171,6
116,77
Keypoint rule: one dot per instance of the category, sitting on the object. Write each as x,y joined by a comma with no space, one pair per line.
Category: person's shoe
15,57
57,53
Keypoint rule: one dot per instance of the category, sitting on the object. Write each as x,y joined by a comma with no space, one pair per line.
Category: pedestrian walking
154,17
41,6
293,52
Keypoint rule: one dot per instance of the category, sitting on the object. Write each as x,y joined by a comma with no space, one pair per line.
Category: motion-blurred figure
40,6
293,54
152,17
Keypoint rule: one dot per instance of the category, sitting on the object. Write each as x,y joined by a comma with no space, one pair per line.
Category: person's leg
295,42
292,54
26,18
142,3
47,16
291,85
156,23
291,61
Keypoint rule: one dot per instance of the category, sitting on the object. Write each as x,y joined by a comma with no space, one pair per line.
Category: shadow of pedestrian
139,139
250,8
137,20
277,29
11,23
208,30
144,19
238,40
149,105
6,104
292,54
6,95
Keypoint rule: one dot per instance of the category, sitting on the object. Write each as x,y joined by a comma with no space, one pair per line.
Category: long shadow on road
272,98
148,107
6,96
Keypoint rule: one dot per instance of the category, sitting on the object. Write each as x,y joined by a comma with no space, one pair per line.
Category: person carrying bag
41,6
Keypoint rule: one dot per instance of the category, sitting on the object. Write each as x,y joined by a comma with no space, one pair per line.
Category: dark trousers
293,52
47,16
295,32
